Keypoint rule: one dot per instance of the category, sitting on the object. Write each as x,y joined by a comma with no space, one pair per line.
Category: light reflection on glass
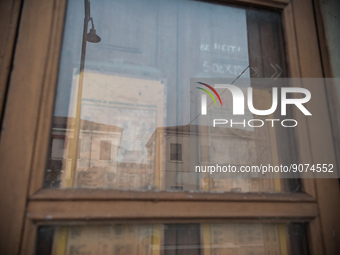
135,102
168,239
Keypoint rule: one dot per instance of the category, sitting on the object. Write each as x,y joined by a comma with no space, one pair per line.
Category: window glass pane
169,239
122,107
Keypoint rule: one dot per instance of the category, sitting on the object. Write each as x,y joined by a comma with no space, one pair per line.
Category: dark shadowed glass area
171,239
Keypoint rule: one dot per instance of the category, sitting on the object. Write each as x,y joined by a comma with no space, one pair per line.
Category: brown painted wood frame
26,128
9,19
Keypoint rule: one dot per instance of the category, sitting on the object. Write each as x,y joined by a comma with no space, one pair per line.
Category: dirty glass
122,109
169,239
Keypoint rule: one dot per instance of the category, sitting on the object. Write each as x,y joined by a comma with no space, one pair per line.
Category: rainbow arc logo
208,92
204,97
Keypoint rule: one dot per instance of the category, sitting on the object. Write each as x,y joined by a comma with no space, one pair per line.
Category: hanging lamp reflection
92,35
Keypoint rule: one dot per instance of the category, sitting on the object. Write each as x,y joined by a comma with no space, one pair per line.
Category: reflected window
105,150
176,151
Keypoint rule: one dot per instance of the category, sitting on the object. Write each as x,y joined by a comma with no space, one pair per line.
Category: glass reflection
122,114
168,239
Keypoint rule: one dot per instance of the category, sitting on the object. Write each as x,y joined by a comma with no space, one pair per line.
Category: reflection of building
152,239
98,146
173,154
133,176
136,107
97,164
116,239
243,239
178,150
134,104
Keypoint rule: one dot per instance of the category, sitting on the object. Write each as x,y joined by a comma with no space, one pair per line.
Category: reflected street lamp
93,38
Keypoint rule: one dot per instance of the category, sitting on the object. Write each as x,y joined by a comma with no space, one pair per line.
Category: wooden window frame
9,20
26,131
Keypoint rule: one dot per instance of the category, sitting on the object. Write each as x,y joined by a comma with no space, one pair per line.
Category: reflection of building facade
135,104
148,239
173,155
97,164
98,146
177,151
